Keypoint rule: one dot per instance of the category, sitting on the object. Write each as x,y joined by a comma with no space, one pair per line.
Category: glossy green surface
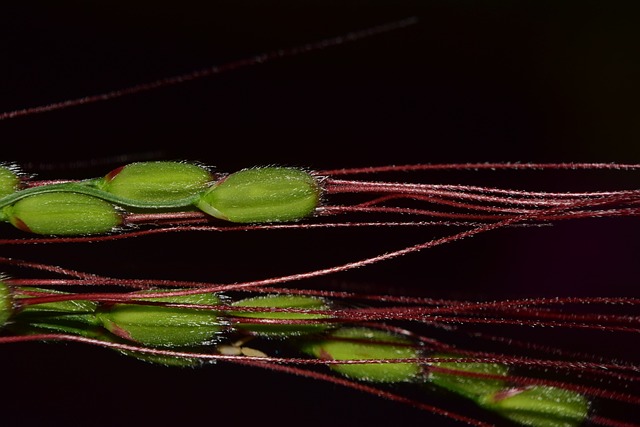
540,406
269,194
162,325
63,214
161,182
283,302
367,344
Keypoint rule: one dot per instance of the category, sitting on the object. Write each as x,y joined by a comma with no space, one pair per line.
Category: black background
471,82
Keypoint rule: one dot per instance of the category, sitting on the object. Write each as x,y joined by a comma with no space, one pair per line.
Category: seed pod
281,301
164,326
164,360
539,406
367,344
63,214
67,316
156,182
6,304
156,359
269,194
9,181
467,386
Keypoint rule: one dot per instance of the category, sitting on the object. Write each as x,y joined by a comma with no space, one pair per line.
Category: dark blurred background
473,81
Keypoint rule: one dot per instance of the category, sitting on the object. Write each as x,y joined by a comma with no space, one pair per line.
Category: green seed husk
161,182
6,303
269,194
156,359
466,386
536,406
9,181
65,316
164,326
63,214
539,406
164,360
282,301
367,344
